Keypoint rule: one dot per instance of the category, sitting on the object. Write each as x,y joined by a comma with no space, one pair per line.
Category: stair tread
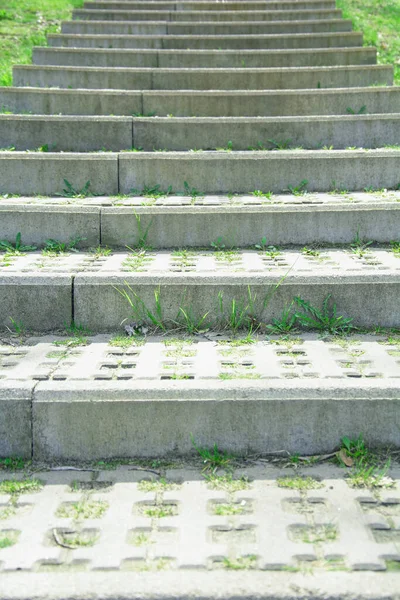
212,365
236,265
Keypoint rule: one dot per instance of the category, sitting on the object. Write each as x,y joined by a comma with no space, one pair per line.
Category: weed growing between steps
233,315
25,24
380,23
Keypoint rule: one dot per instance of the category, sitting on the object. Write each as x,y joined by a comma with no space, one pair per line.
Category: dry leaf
345,458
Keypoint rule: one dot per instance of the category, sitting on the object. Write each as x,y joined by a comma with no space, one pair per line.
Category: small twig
71,469
60,542
145,469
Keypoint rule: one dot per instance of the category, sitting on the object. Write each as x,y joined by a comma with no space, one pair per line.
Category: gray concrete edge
200,586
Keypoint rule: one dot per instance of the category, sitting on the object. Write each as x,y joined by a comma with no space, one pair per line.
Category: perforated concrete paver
204,357
131,519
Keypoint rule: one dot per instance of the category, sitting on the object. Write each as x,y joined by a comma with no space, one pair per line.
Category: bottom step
105,397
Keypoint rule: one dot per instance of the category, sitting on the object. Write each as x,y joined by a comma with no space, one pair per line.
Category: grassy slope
24,24
380,22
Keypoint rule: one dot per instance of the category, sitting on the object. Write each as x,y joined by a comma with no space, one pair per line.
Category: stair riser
41,223
99,307
291,225
304,15
274,172
172,227
196,79
214,6
38,303
216,59
44,302
288,42
77,135
81,424
341,133
43,174
67,135
201,104
281,27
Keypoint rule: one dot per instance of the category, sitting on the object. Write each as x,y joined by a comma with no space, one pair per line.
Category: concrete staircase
211,161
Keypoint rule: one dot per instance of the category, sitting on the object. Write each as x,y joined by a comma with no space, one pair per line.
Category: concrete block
202,58
192,226
270,103
15,418
200,28
214,6
204,16
37,302
66,134
203,79
70,102
365,131
182,42
101,420
274,171
370,299
44,173
41,222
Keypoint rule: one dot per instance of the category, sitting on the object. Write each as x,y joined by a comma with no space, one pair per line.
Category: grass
240,564
380,23
84,509
299,483
367,468
158,512
227,510
8,538
14,487
26,23
226,483
156,486
212,458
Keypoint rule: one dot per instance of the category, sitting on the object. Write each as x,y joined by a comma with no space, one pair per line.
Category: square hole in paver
72,538
388,509
227,509
386,536
8,537
154,510
82,509
313,534
162,563
99,486
8,511
51,566
143,536
304,506
233,535
237,563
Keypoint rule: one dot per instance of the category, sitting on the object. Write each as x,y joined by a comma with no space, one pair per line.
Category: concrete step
101,401
214,6
182,42
208,28
204,58
101,293
205,172
202,79
204,16
184,103
66,134
85,134
183,222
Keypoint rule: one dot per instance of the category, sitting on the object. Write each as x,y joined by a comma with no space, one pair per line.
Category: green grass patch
380,23
21,486
26,23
